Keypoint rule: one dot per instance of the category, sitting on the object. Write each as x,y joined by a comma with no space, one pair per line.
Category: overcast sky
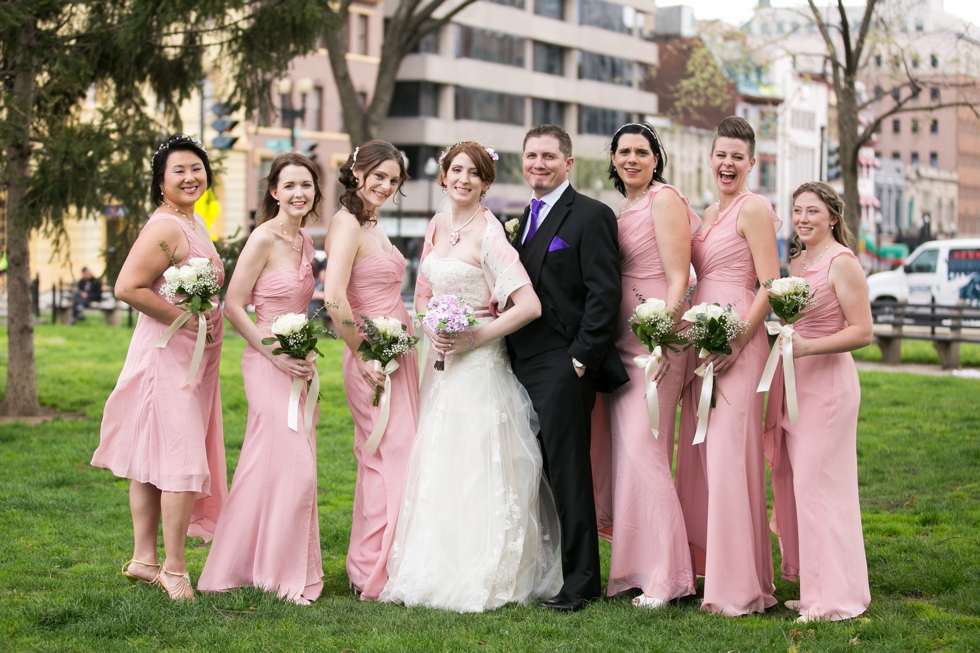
737,12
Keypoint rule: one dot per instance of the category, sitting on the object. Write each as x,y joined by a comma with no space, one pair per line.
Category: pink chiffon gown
816,510
374,291
721,483
155,431
268,534
636,502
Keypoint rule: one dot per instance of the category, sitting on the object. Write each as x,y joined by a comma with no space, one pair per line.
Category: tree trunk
355,118
847,129
21,395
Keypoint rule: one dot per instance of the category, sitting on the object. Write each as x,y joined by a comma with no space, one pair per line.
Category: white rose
644,311
171,275
280,325
715,312
187,275
199,263
780,286
691,314
659,306
511,225
296,322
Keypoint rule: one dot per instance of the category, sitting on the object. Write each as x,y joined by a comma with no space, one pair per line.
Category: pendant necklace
454,233
289,239
192,223
818,258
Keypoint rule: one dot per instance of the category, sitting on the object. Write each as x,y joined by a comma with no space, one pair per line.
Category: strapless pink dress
268,534
636,502
155,431
721,483
816,510
374,290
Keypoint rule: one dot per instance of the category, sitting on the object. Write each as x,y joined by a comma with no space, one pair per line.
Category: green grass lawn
920,351
66,531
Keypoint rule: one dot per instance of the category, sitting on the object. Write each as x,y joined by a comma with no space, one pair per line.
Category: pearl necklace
454,233
818,258
289,239
633,203
190,221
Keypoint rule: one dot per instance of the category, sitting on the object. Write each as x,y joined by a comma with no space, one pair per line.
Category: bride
477,526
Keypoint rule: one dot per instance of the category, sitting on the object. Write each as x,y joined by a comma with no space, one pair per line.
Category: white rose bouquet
196,280
654,326
298,337
385,339
789,297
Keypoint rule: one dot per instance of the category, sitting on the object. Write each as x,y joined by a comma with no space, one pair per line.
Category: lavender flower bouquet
448,314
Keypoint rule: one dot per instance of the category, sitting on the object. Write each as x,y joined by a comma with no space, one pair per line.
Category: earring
483,196
445,191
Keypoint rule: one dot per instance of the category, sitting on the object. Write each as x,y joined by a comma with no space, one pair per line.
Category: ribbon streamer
784,343
292,413
202,329
704,404
649,366
379,428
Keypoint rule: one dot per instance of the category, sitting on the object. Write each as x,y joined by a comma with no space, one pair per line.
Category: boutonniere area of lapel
511,228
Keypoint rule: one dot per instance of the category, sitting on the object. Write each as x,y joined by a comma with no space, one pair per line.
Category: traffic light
833,161
308,149
223,141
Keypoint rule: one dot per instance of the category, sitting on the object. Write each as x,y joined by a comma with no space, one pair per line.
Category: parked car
947,270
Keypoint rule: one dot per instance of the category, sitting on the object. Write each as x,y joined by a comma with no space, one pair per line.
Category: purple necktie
535,209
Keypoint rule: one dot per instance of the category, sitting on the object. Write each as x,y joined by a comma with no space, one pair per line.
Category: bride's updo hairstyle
646,130
269,207
835,207
738,128
479,155
364,160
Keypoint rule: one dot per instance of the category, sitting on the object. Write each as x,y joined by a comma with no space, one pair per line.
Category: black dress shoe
563,604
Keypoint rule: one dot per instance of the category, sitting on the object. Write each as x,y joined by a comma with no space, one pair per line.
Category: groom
569,246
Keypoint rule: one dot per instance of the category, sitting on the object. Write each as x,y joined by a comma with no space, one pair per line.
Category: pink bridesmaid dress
721,483
636,502
155,431
268,534
816,511
374,291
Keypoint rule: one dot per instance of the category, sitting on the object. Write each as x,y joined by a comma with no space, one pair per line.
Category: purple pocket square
556,244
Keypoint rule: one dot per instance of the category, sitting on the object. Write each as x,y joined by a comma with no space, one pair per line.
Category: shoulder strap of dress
839,250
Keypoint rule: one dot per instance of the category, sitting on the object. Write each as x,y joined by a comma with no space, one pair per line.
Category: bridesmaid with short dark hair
816,511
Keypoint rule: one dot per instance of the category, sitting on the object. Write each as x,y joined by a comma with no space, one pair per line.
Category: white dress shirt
549,201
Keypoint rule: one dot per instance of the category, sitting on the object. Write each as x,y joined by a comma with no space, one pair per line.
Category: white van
948,270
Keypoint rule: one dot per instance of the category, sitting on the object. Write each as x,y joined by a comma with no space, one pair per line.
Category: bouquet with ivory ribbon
448,314
197,281
653,325
712,330
385,340
297,337
789,297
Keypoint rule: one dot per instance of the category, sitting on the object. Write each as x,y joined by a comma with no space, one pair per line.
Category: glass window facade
550,8
510,3
489,106
605,15
603,68
414,100
549,59
604,122
495,47
547,112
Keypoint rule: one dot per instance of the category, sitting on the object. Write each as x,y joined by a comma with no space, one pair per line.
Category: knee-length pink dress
155,431
636,502
816,510
268,535
374,291
721,482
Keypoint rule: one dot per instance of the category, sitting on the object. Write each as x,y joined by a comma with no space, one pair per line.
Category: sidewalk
907,368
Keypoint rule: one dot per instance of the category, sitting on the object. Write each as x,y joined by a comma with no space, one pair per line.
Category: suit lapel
534,254
518,242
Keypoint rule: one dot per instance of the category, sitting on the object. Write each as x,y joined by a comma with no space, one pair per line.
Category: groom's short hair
556,131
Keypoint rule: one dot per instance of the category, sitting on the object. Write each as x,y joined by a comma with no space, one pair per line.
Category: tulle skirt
477,527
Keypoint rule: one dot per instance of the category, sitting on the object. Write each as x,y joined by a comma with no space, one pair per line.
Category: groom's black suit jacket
580,287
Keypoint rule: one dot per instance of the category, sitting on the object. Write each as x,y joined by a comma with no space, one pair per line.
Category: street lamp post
289,114
431,171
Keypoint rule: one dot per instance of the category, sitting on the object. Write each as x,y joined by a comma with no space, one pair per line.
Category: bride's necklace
633,203
193,225
289,239
454,233
806,251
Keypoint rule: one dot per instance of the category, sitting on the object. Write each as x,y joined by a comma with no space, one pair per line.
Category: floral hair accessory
354,156
174,140
492,153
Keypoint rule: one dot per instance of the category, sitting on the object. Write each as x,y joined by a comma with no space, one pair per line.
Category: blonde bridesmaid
636,503
721,482
268,534
816,513
364,277
167,437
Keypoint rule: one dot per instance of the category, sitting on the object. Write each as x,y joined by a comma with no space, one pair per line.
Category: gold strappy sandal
133,578
176,592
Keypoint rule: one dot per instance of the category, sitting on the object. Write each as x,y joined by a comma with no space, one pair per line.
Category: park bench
110,308
941,324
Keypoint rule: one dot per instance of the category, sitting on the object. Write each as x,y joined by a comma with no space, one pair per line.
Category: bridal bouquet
448,314
654,326
385,339
297,337
712,330
197,281
789,297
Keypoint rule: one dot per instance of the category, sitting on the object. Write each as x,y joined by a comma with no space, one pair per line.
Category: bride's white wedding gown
477,527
